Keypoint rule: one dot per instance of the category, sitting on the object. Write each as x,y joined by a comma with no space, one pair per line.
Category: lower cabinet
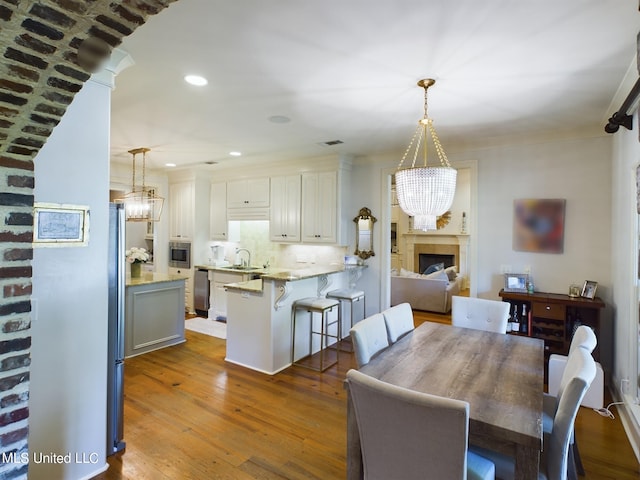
554,317
188,286
218,294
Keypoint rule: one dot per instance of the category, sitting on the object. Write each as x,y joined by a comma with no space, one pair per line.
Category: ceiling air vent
331,143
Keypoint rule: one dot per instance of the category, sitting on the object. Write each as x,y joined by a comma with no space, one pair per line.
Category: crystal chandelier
141,204
425,192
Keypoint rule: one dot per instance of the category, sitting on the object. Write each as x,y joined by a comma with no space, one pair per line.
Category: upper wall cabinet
181,210
248,193
320,207
218,211
284,225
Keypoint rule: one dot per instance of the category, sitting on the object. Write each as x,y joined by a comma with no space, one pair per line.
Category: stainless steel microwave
180,254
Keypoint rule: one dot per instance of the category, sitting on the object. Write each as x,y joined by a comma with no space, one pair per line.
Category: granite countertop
252,286
231,268
293,274
276,273
287,275
152,277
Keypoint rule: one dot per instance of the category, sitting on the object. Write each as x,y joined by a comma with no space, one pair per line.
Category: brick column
49,49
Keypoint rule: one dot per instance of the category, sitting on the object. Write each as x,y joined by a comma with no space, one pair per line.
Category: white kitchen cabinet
218,212
248,193
218,296
284,225
181,210
320,207
188,286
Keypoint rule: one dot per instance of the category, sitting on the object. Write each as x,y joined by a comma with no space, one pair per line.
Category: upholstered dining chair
581,370
368,336
584,337
409,435
399,321
480,314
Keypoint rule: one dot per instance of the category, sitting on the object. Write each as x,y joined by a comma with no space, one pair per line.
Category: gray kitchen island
154,312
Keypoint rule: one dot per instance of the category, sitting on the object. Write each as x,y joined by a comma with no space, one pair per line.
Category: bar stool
322,306
352,296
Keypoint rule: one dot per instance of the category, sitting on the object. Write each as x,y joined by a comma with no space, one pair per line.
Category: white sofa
430,292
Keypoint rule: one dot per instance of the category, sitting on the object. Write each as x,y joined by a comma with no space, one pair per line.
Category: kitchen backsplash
254,236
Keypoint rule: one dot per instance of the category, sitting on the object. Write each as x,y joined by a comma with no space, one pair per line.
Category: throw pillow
438,275
408,273
451,273
433,268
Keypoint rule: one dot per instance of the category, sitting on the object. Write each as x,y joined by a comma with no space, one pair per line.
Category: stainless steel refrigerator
115,374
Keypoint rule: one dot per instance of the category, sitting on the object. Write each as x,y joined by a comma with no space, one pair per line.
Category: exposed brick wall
49,48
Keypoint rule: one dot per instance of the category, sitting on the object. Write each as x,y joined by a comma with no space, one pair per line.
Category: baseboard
629,413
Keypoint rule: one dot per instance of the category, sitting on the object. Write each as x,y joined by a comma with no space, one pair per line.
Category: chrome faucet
248,262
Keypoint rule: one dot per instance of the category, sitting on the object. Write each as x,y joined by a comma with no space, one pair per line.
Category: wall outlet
527,269
624,386
505,268
301,258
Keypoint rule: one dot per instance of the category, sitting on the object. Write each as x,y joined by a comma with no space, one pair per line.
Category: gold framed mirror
364,233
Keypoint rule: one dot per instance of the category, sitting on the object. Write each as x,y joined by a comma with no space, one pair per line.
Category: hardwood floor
191,415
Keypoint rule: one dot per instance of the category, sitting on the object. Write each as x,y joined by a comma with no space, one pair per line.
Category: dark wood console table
553,318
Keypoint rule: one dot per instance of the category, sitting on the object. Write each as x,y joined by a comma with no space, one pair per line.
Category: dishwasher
201,292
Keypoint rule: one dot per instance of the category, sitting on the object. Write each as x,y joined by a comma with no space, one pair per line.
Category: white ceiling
347,70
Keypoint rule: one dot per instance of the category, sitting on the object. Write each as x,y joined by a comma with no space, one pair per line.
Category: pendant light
425,192
141,204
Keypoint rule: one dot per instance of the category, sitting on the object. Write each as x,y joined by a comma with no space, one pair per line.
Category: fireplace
426,254
428,259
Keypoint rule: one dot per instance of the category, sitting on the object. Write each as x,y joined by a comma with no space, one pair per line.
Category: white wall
577,170
67,402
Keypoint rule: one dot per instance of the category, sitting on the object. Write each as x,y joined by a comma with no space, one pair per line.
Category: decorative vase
136,270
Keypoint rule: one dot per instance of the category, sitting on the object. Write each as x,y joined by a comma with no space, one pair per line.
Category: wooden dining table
500,376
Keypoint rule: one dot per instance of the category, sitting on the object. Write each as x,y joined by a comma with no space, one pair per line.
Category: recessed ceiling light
196,80
235,154
169,164
279,119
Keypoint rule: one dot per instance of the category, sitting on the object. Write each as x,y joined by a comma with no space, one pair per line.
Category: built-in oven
180,254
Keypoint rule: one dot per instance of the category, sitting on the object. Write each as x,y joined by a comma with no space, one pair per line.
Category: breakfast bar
259,328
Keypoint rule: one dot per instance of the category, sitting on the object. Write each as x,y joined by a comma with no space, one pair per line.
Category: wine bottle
515,326
524,327
510,319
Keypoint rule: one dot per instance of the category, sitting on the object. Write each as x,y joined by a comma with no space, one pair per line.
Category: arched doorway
49,52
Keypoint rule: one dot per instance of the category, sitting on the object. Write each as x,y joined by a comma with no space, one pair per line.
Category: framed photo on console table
589,289
516,282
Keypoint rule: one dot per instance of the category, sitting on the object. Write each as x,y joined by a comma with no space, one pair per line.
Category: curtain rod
621,117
